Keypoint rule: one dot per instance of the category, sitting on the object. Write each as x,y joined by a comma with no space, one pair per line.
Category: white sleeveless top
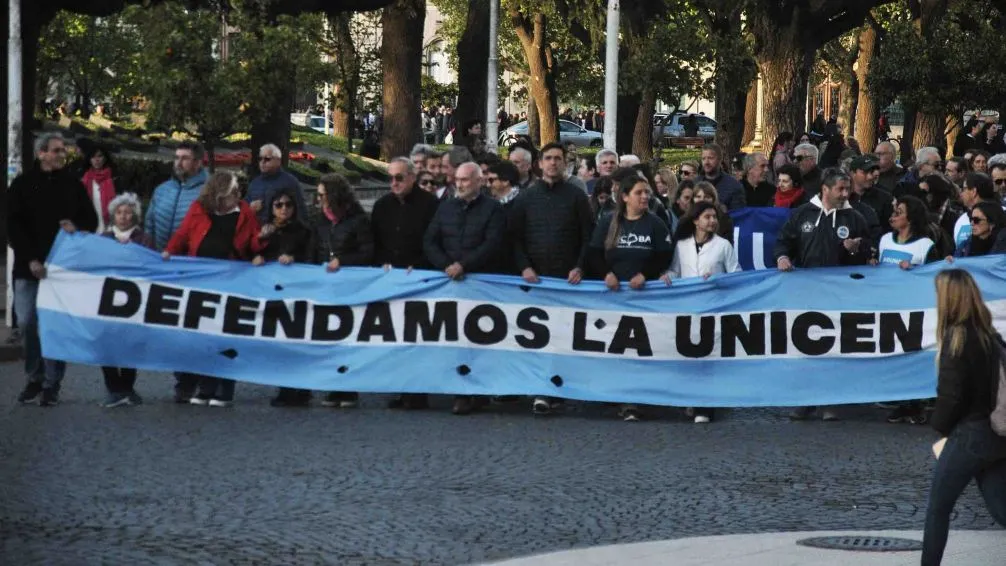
914,252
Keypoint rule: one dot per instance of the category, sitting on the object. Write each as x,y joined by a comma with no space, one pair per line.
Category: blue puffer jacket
169,205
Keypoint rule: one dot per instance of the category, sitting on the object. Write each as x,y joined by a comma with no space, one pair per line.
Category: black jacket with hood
813,238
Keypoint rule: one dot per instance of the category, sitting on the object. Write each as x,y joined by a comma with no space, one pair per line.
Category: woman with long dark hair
908,243
601,202
782,151
631,245
342,238
100,185
987,235
969,356
682,202
287,239
701,252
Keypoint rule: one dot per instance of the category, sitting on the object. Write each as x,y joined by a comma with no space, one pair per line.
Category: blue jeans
973,450
38,370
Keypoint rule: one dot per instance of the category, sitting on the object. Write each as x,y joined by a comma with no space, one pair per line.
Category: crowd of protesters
545,212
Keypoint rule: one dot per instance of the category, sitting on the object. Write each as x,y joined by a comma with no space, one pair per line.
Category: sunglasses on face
397,178
426,182
978,220
282,204
799,158
1000,182
263,159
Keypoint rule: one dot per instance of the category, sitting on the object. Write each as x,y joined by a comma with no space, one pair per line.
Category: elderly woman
343,238
100,186
286,239
219,225
126,216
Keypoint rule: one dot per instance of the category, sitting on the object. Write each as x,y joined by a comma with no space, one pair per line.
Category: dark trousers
216,388
973,450
119,380
186,383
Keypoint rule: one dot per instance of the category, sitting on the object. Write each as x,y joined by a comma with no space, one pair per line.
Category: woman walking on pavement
969,357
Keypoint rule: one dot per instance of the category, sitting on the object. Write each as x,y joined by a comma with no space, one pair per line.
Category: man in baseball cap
874,203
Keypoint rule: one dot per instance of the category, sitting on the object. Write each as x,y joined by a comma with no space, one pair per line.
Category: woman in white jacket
701,252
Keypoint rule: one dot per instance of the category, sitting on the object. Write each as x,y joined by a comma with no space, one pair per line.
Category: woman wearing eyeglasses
688,171
287,239
987,234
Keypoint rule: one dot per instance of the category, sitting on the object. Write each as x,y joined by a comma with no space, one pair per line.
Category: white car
568,132
675,127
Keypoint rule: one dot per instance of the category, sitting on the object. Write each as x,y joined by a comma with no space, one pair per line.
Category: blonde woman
219,225
968,356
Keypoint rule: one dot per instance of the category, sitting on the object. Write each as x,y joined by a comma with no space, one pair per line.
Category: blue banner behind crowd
759,338
755,230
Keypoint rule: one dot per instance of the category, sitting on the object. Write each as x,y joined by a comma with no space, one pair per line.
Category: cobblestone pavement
170,484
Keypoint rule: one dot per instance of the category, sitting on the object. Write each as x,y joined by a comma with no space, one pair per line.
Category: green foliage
95,57
435,94
932,72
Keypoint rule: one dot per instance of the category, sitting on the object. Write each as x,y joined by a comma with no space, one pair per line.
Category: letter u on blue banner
755,230
757,338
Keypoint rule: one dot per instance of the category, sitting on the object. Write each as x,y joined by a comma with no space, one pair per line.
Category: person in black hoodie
39,203
464,237
287,240
758,191
551,224
825,232
343,237
969,355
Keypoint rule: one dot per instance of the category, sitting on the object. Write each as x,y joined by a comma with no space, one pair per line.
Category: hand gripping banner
759,338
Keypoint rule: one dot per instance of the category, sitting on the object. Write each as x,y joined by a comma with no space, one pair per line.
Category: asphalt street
178,484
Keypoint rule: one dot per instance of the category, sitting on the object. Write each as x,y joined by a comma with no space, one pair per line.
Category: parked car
675,127
568,132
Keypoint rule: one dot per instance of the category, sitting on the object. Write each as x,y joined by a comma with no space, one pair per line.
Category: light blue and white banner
759,338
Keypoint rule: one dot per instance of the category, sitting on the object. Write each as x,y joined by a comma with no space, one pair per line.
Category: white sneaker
221,403
541,406
199,401
701,419
347,404
829,415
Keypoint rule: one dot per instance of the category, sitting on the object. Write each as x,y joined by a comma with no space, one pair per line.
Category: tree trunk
642,136
784,92
930,130
344,95
907,150
541,83
750,114
785,54
473,73
401,58
850,99
533,123
274,128
625,129
867,112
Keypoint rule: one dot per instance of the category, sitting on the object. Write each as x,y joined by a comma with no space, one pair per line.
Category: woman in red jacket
219,225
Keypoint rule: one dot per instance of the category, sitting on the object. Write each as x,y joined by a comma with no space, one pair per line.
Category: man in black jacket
825,232
551,226
465,237
399,221
805,155
863,173
40,202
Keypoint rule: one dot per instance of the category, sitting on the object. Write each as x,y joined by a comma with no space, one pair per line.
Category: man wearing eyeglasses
40,201
890,171
399,221
997,170
272,180
805,156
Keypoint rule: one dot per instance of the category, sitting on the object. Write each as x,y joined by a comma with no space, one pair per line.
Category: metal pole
611,77
328,91
14,130
492,92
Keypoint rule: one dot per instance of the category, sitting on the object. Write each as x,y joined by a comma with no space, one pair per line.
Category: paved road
167,484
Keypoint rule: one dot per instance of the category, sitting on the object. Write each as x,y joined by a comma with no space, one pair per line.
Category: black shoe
50,397
903,414
290,401
463,406
30,392
410,402
541,406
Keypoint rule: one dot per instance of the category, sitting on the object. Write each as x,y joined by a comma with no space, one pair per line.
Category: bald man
466,236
